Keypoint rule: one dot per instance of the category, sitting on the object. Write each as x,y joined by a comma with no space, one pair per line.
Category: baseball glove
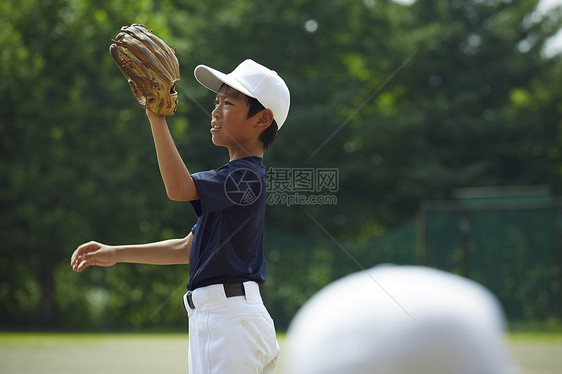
150,66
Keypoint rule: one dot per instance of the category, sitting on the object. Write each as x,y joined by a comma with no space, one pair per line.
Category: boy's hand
93,253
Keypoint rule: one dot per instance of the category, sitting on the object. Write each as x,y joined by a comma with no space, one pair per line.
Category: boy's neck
242,152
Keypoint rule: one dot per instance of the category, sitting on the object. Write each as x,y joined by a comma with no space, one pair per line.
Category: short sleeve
211,189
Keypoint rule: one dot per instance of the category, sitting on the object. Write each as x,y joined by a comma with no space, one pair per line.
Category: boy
230,331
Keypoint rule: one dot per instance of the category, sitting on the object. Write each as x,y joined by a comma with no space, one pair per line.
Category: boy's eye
226,102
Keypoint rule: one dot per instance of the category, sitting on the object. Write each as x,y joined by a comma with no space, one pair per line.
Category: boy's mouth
215,126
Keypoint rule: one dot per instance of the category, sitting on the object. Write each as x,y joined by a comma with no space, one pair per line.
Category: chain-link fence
508,239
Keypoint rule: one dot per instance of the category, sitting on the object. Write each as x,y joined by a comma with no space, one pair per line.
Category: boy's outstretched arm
167,252
176,177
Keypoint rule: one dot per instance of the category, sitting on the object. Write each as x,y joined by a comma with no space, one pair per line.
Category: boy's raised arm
176,177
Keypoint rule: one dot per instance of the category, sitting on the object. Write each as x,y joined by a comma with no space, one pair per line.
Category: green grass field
46,353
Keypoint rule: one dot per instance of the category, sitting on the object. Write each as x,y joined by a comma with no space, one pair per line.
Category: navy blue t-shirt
227,244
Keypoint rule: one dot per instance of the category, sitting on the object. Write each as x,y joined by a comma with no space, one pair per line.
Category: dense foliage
407,102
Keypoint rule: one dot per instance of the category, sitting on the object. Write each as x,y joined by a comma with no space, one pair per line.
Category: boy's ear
265,118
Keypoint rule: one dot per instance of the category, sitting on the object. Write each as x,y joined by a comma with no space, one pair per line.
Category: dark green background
409,103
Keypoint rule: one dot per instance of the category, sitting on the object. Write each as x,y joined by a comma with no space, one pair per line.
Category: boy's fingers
79,256
83,264
76,263
74,260
73,257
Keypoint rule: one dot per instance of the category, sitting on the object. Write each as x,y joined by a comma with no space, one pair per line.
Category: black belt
230,290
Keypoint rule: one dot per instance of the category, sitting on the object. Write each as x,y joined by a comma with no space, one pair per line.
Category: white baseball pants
233,335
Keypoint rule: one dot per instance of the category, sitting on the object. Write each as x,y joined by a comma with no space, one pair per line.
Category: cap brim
214,79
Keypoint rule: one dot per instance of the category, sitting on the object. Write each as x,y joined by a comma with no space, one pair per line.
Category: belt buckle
190,299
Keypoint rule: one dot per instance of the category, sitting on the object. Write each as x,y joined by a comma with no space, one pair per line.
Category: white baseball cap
399,320
254,80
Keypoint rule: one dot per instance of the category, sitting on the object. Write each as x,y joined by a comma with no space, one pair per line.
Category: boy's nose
216,112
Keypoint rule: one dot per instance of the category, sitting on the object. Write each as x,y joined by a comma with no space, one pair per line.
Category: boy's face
230,126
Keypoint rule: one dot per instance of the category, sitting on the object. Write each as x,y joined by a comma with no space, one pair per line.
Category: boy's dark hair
268,135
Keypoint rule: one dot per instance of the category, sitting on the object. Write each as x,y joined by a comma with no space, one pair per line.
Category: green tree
451,117
78,159
408,102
